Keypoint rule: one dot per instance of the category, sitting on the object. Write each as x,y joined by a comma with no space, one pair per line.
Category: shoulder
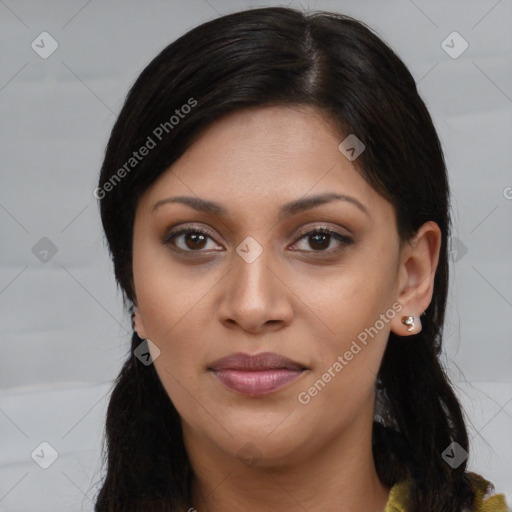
486,500
397,497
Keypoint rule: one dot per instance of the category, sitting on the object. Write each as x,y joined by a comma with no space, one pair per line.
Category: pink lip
256,375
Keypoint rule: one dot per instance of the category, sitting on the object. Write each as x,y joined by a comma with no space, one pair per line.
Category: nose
256,297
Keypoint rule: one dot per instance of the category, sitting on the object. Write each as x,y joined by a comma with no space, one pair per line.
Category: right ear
139,324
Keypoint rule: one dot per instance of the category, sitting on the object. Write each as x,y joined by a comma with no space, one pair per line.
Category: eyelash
343,239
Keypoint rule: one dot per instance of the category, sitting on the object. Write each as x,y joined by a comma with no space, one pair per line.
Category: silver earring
409,321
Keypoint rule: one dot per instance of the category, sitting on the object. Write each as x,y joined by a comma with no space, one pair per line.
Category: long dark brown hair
338,65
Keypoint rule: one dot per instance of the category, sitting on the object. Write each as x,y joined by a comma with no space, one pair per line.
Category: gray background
64,332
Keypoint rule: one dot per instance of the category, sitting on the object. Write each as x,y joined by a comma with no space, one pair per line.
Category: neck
340,477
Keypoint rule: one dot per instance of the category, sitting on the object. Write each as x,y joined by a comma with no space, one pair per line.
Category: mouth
256,375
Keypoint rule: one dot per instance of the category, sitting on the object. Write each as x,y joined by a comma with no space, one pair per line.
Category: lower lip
257,383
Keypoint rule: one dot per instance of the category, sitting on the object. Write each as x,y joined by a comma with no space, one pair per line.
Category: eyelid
322,228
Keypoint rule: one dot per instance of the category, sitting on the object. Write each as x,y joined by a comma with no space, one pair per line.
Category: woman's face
257,282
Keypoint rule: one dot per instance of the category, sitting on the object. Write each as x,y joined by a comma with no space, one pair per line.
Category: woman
275,200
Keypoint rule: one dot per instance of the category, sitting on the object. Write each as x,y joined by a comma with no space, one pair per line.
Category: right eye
189,239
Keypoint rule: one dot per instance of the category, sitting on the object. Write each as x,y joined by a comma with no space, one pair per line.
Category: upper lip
262,361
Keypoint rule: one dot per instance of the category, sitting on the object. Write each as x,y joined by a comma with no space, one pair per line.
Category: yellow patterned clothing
484,502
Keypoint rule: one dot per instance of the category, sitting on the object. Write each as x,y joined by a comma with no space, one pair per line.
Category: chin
278,447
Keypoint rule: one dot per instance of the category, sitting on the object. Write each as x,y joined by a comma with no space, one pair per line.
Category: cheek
353,313
166,305
347,362
170,296
175,314
345,302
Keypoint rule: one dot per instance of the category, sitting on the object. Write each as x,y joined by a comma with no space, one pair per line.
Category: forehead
257,157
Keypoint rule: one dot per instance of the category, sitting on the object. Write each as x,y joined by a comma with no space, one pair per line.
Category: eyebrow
287,210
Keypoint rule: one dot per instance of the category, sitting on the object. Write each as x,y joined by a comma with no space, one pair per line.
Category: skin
197,308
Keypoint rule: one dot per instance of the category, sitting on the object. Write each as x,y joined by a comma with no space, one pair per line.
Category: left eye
320,239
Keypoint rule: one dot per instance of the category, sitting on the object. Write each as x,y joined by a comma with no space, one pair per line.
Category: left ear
418,264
